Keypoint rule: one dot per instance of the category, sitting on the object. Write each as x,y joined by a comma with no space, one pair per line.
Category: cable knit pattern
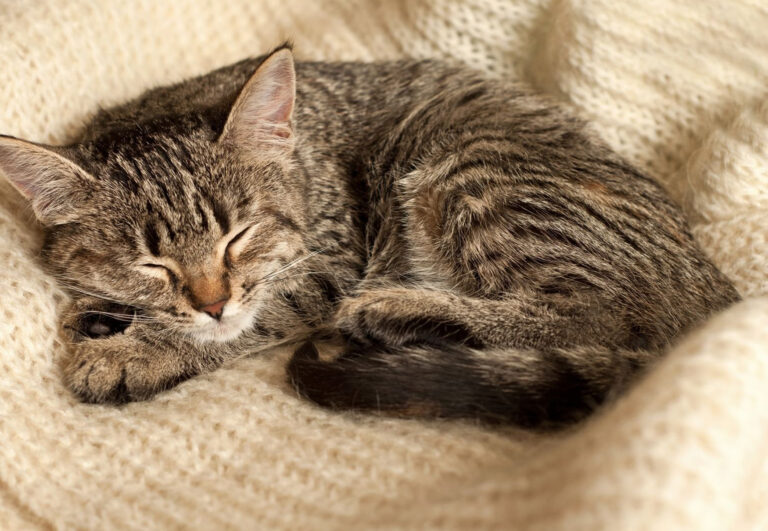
677,87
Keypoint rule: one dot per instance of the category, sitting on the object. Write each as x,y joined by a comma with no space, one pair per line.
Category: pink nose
216,309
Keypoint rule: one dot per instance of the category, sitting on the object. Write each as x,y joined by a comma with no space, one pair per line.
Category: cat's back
322,88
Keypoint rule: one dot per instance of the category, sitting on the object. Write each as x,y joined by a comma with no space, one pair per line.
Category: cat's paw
117,369
89,318
369,318
396,317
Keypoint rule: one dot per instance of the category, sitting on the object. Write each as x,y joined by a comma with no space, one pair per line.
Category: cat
479,252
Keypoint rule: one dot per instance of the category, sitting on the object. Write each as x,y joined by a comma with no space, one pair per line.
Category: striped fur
478,251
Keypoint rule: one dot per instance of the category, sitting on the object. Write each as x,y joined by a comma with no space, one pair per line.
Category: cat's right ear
56,187
260,120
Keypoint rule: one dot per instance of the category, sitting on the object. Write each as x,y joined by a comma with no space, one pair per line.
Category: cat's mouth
226,329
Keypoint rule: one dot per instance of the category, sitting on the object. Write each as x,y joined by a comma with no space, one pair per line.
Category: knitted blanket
678,87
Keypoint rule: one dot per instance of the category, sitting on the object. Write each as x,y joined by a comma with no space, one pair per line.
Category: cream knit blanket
678,87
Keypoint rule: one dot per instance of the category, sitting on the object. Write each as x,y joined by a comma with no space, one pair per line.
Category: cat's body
481,255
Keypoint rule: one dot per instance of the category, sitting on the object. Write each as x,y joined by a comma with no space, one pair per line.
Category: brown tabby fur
480,254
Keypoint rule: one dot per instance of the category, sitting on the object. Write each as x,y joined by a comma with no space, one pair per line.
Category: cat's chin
222,331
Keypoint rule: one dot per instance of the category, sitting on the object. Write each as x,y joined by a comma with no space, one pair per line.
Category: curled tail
531,389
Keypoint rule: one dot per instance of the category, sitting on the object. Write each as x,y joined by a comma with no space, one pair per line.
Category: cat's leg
415,352
116,356
400,316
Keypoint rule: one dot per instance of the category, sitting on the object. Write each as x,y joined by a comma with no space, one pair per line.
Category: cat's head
187,223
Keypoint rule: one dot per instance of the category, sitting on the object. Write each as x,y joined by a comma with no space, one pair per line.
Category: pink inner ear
266,108
25,189
18,161
274,87
260,118
273,97
30,186
52,183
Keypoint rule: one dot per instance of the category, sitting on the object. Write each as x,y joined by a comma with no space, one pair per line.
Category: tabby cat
479,254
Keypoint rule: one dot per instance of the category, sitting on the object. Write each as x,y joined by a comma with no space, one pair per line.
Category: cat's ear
260,119
55,186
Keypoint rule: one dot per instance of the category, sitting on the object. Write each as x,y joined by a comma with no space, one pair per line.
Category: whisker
251,295
82,291
292,264
121,316
276,275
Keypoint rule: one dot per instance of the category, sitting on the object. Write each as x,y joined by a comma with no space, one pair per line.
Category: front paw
89,318
118,369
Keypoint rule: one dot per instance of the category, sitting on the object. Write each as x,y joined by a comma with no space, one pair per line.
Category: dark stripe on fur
151,238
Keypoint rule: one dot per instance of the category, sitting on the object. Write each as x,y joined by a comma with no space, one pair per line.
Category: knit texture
677,87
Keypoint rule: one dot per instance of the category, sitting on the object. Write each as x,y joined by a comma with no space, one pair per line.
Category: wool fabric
678,87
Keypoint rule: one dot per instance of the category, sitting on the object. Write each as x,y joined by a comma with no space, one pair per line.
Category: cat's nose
215,309
209,293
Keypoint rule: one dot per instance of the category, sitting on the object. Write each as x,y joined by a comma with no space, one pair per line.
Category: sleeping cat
479,254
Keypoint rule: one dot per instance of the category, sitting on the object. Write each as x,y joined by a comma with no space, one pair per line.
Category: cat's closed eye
158,270
236,243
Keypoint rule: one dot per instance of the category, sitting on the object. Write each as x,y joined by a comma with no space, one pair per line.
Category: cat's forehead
165,139
139,166
160,153
169,181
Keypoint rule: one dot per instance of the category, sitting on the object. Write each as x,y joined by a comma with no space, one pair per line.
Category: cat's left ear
260,120
56,187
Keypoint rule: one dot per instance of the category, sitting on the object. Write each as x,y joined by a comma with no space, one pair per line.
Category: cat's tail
532,389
